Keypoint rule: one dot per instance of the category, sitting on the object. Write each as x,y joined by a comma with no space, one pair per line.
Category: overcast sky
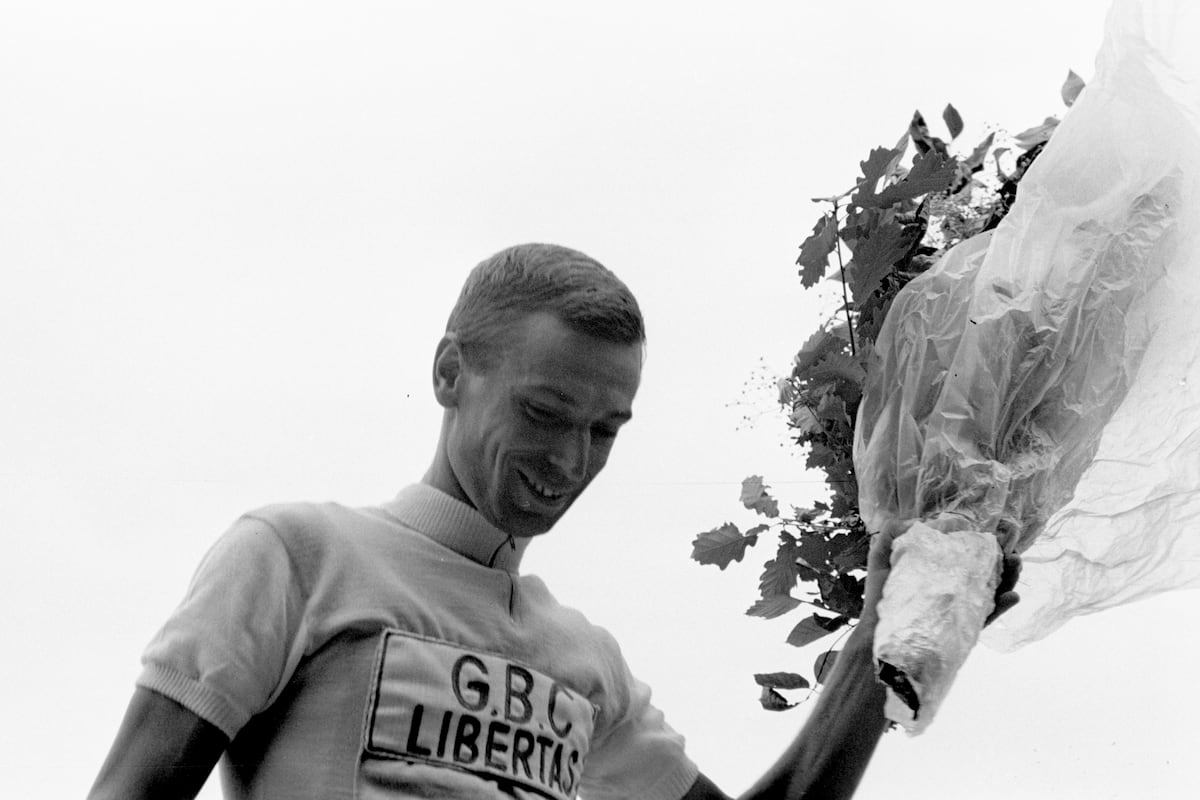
229,237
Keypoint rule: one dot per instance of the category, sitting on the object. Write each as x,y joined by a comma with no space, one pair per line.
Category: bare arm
831,753
828,758
162,750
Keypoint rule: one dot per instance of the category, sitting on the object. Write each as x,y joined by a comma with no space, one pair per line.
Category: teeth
542,490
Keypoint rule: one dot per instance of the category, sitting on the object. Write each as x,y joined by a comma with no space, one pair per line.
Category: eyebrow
543,393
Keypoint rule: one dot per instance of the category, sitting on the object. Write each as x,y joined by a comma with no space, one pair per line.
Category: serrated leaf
772,607
846,500
875,256
815,250
820,456
804,420
814,349
833,409
824,664
722,545
755,497
1071,88
878,166
931,172
781,680
848,552
836,366
772,700
953,120
779,574
807,631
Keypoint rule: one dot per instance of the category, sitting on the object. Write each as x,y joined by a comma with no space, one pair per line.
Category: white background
229,237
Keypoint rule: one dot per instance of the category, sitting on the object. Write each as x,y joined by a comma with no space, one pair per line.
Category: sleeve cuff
194,696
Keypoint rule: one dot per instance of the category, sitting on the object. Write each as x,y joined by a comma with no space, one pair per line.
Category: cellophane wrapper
1040,384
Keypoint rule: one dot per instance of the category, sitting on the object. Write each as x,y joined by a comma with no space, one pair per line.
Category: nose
572,453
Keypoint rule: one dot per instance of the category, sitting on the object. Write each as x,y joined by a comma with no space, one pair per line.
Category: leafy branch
911,203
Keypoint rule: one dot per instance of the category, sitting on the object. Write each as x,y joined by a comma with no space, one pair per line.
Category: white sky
229,236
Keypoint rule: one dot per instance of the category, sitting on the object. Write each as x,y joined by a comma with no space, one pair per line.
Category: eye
541,415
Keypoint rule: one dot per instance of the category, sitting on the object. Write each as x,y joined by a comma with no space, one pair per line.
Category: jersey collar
458,526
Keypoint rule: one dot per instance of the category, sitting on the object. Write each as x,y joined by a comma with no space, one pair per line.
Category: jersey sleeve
229,648
635,753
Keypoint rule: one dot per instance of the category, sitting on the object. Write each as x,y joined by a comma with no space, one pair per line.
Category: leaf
833,409
815,250
806,514
843,594
812,550
878,166
931,172
870,323
953,121
836,366
1071,88
814,349
846,500
1038,134
786,390
874,257
849,552
779,574
755,497
821,456
772,700
807,631
831,624
722,545
804,420
919,132
781,680
974,162
772,607
824,663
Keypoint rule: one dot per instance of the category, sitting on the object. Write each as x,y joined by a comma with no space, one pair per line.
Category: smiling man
398,651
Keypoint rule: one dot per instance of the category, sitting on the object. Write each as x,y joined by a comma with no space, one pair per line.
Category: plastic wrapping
929,623
1040,384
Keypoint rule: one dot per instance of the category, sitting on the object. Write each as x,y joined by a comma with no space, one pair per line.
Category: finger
1004,602
1010,572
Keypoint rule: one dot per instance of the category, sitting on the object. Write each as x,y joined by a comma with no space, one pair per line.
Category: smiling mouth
540,490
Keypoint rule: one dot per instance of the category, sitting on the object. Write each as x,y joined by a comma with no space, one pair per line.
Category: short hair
521,280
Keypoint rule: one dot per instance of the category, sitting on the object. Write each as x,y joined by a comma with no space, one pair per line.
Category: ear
447,370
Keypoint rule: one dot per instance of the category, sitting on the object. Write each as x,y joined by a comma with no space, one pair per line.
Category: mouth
541,492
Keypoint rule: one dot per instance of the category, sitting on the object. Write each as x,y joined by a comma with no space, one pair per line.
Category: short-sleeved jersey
397,652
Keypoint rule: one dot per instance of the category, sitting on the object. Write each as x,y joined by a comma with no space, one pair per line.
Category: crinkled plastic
1042,383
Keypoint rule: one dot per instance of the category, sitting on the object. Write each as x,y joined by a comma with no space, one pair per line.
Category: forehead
545,354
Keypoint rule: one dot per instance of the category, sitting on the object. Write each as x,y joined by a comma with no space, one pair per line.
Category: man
398,652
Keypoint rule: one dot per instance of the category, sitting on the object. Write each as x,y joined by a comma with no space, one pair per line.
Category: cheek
598,458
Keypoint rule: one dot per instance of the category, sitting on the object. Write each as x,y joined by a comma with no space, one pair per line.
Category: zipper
512,581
